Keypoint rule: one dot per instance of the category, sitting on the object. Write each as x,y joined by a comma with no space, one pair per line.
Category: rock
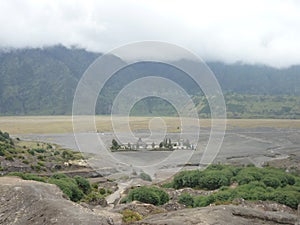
142,208
173,206
116,218
228,214
25,202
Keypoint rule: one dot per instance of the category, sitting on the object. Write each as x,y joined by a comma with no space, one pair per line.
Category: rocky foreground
30,202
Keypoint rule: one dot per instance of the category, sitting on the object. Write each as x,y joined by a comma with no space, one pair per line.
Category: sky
253,31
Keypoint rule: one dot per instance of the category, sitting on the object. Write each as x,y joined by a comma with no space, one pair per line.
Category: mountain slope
43,81
35,81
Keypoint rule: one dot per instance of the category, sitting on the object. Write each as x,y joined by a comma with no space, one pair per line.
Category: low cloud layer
265,32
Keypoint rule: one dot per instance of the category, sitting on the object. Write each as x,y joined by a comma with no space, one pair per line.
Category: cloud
255,31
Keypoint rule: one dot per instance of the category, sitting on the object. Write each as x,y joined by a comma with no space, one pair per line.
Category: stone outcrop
25,202
228,214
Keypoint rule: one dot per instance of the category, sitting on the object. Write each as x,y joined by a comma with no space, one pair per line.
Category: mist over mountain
36,81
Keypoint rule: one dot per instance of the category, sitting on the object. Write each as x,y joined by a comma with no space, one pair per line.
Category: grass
63,124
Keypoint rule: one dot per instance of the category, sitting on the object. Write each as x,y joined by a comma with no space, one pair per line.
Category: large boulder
25,202
228,214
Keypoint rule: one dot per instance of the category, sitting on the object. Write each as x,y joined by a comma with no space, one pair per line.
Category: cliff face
25,202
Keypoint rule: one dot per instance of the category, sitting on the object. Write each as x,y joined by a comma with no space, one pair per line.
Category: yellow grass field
63,124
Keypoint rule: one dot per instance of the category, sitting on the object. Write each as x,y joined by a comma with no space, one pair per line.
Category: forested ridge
42,81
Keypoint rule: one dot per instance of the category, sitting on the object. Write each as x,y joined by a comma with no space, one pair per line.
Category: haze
263,32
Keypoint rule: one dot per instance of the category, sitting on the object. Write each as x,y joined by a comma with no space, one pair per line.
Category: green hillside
43,81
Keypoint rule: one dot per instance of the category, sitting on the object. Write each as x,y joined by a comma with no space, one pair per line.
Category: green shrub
213,180
289,198
94,198
225,196
254,184
152,195
202,201
59,176
41,157
145,176
130,216
27,176
186,199
168,185
102,191
271,182
283,177
69,187
39,150
31,151
95,186
83,184
56,153
213,177
37,167
9,158
187,179
67,155
247,175
41,164
243,179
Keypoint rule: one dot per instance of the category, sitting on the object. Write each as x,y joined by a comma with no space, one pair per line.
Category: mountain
42,81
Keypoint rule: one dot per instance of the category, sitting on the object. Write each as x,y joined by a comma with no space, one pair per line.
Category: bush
130,216
27,176
202,201
39,150
289,198
94,198
9,158
41,164
151,195
225,196
213,177
213,180
83,184
187,179
271,182
283,177
59,176
31,151
145,177
102,191
186,199
248,174
56,153
67,155
69,187
41,157
254,184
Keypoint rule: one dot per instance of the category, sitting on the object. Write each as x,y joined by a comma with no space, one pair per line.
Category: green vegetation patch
152,195
130,216
252,184
75,189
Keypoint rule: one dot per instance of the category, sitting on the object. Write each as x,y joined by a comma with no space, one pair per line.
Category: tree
161,145
151,195
115,145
